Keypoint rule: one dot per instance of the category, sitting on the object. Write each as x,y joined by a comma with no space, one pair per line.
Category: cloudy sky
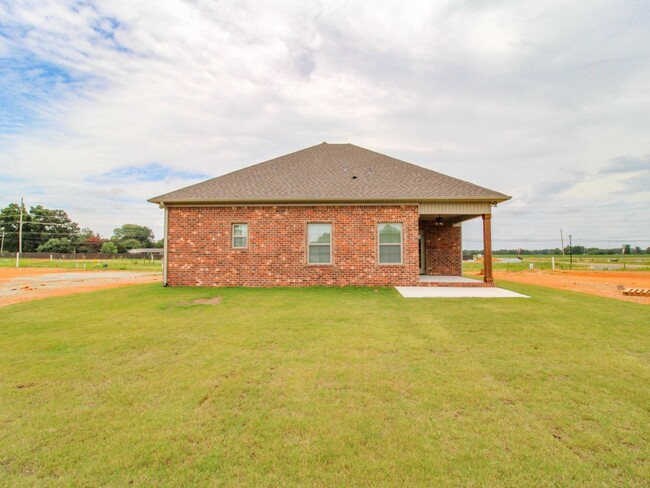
105,104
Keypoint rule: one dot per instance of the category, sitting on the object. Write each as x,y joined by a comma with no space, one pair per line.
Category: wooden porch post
487,249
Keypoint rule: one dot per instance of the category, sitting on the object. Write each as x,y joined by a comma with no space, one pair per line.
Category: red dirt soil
53,289
600,283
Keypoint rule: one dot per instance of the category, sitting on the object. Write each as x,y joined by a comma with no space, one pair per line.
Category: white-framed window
319,243
390,243
239,236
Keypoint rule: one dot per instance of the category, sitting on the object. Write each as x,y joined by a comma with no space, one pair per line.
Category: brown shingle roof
331,173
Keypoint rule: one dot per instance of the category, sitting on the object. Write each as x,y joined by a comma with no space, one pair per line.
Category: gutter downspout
165,242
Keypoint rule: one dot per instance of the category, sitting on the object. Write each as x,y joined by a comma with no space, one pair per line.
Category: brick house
331,214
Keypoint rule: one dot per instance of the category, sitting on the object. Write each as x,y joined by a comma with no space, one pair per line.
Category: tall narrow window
319,239
390,243
239,235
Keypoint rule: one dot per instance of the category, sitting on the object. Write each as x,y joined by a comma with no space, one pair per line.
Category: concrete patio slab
456,292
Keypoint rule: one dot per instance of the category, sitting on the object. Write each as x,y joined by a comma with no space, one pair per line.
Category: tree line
50,230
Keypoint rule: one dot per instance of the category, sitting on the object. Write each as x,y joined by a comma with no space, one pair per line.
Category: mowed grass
636,262
324,387
88,264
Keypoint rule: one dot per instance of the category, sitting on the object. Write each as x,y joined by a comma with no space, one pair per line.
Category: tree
144,235
88,241
40,225
128,244
94,244
55,244
109,247
9,220
46,224
574,250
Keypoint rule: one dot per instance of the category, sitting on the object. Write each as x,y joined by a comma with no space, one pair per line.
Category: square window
390,254
319,254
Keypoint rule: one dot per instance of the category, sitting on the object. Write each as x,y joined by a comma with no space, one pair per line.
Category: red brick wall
443,248
200,251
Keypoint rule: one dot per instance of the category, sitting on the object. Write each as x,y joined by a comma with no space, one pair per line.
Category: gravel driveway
24,284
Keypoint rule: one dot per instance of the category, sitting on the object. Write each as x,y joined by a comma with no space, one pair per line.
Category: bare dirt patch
24,284
608,284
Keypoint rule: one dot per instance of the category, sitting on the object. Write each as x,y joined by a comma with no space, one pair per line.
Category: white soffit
455,208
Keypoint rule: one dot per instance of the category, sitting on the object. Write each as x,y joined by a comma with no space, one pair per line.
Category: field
634,262
124,264
324,387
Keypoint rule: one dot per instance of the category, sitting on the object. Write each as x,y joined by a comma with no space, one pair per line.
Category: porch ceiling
453,211
453,218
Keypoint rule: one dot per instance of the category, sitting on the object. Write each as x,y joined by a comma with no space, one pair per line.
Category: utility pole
2,243
20,234
570,253
562,241
623,255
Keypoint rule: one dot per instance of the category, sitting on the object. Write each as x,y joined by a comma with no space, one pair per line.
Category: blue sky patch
147,173
28,83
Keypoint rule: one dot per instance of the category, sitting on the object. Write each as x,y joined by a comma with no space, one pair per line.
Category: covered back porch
440,242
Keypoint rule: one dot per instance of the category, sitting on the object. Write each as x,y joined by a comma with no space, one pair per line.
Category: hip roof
331,173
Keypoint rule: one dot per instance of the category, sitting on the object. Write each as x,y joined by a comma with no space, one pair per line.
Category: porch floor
446,279
451,281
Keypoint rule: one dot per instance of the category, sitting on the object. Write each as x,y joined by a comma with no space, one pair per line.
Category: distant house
331,214
146,250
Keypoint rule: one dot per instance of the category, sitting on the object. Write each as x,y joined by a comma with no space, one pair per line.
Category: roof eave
494,199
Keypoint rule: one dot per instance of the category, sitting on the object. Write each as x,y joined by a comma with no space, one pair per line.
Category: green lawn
324,387
632,262
639,262
129,264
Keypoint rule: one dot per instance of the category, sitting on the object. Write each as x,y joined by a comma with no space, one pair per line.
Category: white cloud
532,99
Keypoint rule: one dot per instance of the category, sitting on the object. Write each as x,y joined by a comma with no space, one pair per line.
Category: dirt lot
24,284
601,283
